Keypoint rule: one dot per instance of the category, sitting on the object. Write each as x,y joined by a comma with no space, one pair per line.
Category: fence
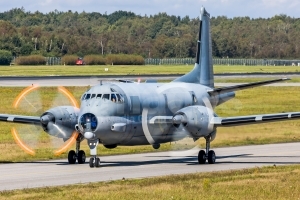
169,61
191,61
53,61
219,61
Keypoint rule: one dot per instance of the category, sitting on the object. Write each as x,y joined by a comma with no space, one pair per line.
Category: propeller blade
30,137
29,101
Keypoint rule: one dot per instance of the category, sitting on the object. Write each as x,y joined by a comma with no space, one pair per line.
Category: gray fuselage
123,111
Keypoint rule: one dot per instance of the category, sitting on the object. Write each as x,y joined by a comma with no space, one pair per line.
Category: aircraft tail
202,72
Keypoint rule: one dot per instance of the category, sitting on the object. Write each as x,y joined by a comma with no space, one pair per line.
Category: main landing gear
79,155
209,154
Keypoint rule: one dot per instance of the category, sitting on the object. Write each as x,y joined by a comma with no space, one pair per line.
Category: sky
191,8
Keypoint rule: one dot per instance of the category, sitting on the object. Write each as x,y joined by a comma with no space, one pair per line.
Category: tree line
156,36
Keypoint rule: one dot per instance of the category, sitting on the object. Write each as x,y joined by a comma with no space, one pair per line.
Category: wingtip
286,79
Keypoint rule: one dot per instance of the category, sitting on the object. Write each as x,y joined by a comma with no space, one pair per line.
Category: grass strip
58,70
275,182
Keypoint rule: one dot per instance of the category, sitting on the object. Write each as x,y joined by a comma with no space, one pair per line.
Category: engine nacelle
60,121
196,120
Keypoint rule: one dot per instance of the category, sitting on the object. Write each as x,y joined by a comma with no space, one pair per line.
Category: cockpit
113,96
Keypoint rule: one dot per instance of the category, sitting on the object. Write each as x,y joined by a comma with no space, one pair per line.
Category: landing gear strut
209,155
79,155
94,160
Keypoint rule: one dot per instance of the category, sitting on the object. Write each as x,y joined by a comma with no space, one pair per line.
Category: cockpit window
93,96
106,96
87,96
120,98
99,96
83,96
114,98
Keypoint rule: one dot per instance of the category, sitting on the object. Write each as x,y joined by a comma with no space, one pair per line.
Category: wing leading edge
20,119
243,86
253,119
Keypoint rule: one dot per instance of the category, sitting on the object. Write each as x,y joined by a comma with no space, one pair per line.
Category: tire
92,163
97,162
72,157
211,157
201,157
81,157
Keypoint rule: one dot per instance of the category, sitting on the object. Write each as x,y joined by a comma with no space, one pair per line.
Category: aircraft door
133,117
194,98
135,106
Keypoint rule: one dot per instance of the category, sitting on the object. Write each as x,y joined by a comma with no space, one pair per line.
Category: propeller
57,121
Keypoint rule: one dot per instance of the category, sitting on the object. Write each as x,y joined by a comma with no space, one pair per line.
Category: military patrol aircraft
129,113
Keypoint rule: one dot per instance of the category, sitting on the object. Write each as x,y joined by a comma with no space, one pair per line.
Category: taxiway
59,172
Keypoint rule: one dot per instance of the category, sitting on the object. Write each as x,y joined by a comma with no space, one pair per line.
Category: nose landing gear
94,160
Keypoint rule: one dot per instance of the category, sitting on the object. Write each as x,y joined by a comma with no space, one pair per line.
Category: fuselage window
99,96
93,96
88,96
106,96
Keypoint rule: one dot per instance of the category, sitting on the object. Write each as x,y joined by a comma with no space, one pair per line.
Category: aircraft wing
243,86
253,119
20,119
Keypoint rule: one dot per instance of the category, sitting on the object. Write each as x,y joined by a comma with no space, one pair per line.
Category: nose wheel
94,162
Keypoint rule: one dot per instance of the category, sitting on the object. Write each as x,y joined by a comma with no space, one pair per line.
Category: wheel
72,157
211,157
97,162
201,157
92,162
81,157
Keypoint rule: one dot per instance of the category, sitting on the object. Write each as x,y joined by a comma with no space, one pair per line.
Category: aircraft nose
88,124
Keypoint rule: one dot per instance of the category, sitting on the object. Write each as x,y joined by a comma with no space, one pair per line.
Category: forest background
56,34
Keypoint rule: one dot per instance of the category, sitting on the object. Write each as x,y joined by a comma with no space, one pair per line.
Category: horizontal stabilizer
253,119
20,119
221,90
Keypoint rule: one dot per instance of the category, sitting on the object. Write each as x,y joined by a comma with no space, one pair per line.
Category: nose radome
88,122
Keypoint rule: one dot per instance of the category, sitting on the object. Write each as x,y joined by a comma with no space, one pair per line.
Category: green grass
255,69
133,70
276,182
252,101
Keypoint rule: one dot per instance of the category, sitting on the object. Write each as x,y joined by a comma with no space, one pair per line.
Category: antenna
130,72
128,75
